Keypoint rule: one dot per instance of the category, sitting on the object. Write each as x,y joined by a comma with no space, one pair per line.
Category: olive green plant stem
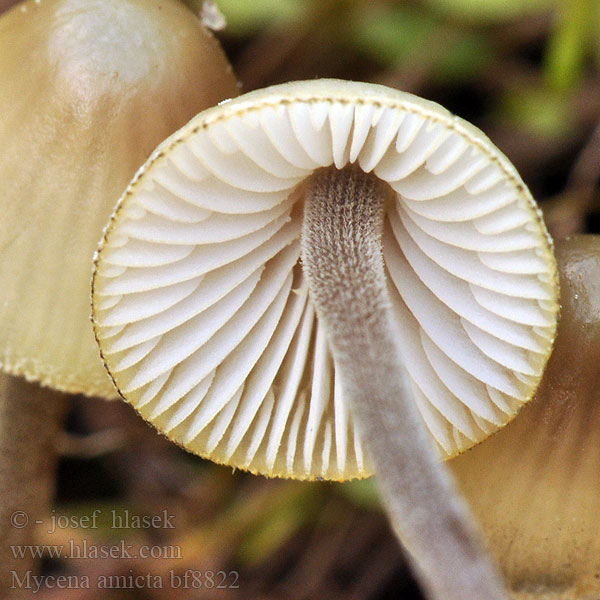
30,419
342,259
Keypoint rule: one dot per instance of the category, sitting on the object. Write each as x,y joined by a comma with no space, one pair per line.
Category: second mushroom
324,279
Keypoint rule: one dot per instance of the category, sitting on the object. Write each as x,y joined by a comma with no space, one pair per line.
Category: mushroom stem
342,259
30,419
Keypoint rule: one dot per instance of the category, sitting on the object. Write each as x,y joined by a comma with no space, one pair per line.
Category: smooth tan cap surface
535,486
203,316
88,88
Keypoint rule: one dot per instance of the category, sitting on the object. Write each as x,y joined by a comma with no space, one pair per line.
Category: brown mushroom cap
535,485
89,87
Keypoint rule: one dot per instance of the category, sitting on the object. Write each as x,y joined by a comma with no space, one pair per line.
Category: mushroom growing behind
276,262
535,486
76,76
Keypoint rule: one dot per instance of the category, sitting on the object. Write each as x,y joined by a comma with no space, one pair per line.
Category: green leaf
489,10
464,57
398,36
288,512
392,35
541,111
570,43
247,16
362,493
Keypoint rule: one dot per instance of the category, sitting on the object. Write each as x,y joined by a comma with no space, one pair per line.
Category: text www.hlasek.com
81,549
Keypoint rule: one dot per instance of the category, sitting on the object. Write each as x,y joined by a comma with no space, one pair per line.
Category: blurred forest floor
527,74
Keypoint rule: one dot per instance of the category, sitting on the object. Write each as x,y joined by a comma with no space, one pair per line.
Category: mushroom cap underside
202,313
76,76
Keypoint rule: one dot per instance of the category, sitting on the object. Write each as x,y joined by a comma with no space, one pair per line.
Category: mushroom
275,264
535,486
88,90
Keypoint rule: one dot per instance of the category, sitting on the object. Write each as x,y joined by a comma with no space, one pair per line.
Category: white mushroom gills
202,310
